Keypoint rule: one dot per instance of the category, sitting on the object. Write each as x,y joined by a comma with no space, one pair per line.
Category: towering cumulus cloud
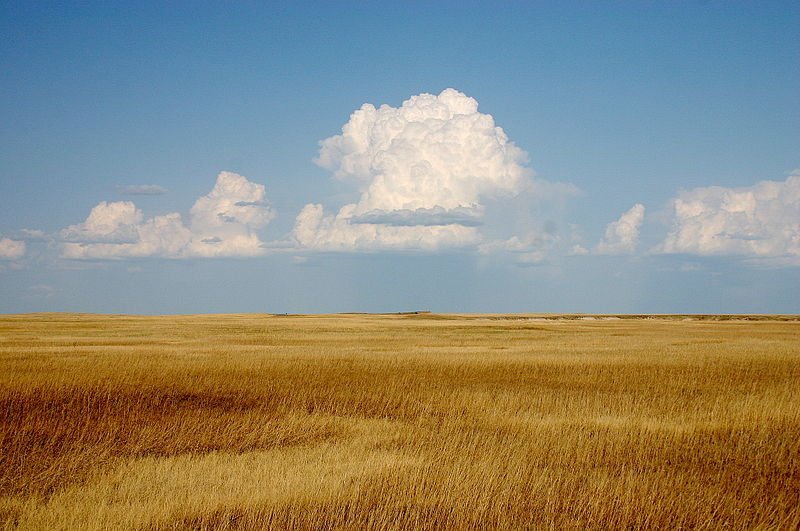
760,221
622,235
222,223
422,171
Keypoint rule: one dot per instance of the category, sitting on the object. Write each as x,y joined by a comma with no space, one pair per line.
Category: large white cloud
11,249
760,221
222,223
622,236
422,171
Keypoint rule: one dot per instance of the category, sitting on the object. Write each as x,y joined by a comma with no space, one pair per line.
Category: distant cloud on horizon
760,221
222,223
622,236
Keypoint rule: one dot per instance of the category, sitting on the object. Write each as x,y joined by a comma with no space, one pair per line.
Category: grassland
398,422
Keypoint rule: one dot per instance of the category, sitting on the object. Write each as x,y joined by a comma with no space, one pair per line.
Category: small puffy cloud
622,235
760,221
422,171
578,250
222,223
115,222
532,248
163,236
11,249
143,189
515,244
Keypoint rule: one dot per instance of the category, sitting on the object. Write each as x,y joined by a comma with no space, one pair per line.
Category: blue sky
661,141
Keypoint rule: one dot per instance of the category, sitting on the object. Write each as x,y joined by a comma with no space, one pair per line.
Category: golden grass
398,422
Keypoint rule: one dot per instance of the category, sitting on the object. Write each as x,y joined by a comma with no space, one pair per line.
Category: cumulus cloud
422,171
222,223
531,248
578,250
621,236
11,249
107,223
759,221
143,189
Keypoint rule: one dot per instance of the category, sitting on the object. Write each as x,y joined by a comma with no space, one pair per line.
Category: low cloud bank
433,174
760,221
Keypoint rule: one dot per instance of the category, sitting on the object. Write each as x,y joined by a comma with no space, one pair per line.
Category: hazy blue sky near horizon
689,109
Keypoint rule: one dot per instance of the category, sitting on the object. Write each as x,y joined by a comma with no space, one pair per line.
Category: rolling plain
418,421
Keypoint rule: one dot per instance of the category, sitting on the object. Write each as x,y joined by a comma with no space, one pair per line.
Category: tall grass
398,422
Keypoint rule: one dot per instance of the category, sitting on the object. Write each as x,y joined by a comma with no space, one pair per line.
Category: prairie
417,421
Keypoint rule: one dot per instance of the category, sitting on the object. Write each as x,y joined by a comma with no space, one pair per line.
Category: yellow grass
398,422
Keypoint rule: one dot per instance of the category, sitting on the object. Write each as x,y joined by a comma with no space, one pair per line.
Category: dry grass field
398,422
